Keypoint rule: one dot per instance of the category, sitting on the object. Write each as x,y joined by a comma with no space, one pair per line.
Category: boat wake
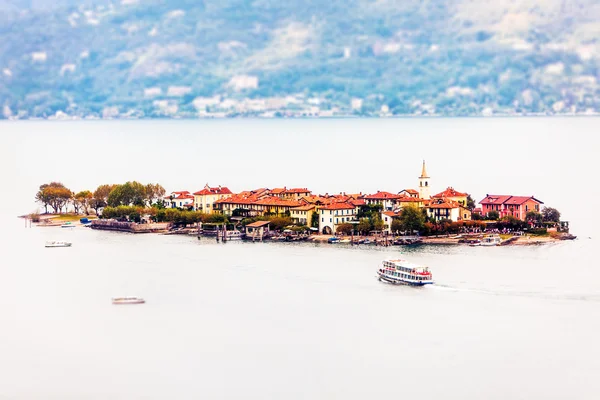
539,295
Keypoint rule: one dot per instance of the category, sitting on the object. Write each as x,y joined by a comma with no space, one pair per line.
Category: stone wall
113,225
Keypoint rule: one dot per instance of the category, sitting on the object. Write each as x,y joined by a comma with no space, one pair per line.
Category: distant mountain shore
130,59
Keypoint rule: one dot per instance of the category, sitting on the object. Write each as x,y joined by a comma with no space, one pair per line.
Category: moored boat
128,300
402,272
67,225
489,240
58,243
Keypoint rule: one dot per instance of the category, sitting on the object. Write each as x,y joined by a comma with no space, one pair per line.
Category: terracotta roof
449,192
507,199
238,199
278,190
338,206
184,196
408,199
382,196
215,190
297,190
258,224
357,202
444,204
276,201
411,191
306,207
390,213
181,192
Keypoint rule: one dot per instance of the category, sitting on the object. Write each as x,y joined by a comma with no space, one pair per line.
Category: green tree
314,220
344,229
470,203
56,195
396,225
533,217
364,226
154,193
82,199
377,222
43,197
100,197
550,214
412,219
493,215
127,194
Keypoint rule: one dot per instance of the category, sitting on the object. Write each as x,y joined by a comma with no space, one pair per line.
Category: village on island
408,217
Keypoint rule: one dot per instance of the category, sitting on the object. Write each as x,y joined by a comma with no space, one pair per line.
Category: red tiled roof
449,192
306,207
495,199
382,196
507,199
278,190
411,191
216,190
338,206
276,201
297,190
443,204
390,213
184,196
408,199
357,202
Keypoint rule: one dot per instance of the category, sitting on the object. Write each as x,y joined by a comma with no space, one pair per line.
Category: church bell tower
424,184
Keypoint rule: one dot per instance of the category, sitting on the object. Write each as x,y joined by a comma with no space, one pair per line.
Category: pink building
507,205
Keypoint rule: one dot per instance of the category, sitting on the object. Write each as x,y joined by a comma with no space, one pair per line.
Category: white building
183,199
424,192
334,214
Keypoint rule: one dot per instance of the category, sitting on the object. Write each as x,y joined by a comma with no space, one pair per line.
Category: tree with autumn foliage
100,197
82,201
55,195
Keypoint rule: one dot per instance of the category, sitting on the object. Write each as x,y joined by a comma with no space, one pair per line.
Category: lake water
299,321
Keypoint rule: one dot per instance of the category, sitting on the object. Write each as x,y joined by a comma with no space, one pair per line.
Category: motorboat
402,272
128,300
489,240
67,225
58,243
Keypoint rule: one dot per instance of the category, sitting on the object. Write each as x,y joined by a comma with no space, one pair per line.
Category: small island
407,217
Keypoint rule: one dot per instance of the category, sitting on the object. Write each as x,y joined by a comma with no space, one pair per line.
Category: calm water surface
299,321
243,320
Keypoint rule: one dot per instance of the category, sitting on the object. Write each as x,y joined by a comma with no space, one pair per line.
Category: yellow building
204,200
303,214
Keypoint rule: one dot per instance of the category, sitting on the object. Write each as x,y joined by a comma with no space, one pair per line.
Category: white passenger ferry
402,272
58,243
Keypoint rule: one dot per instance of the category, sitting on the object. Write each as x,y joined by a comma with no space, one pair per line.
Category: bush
344,229
538,231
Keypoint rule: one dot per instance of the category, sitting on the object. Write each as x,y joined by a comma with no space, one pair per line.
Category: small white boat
67,225
490,240
58,243
402,272
128,300
233,235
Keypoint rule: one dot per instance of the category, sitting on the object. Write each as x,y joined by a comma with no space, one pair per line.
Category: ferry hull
396,281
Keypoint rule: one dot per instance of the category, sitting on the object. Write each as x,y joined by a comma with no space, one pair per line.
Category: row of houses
335,209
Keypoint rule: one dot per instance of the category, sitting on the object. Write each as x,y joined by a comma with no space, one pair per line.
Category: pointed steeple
424,171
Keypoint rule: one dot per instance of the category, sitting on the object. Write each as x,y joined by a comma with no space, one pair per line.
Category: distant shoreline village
408,217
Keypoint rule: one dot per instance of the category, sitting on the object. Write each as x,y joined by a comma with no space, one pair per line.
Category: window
322,219
330,220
